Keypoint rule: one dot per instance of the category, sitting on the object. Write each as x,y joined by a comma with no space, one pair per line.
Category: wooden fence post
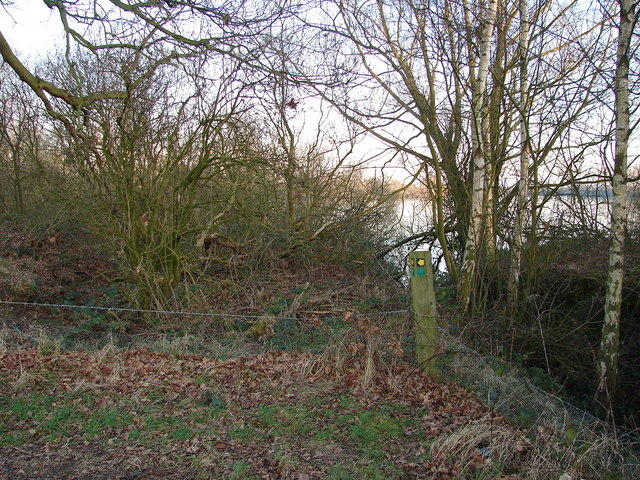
424,309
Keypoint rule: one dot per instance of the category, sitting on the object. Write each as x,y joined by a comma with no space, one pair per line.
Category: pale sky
31,28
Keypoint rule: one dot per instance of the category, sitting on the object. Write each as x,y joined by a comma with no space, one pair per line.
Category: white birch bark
608,362
523,182
478,133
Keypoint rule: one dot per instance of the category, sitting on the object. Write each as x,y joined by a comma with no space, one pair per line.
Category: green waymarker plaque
419,272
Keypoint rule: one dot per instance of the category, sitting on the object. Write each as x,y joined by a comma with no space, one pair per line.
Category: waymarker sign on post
424,309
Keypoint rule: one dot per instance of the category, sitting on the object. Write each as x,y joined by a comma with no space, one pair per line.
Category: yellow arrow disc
421,262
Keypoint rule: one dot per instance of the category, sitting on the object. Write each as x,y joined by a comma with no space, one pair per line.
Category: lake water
589,212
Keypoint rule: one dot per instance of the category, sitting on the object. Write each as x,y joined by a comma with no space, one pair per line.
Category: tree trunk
478,134
523,182
608,362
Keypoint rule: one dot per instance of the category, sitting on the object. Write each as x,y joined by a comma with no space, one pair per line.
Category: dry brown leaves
275,377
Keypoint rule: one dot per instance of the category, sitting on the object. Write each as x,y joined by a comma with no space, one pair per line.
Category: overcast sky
30,27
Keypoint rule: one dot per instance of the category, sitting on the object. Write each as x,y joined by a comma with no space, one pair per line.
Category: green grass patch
7,439
33,408
244,434
340,472
242,470
183,433
372,426
59,423
159,420
106,419
26,416
287,419
324,436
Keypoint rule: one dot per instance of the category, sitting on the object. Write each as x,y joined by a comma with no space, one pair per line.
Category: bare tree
407,74
479,145
608,362
399,71
143,159
20,139
523,181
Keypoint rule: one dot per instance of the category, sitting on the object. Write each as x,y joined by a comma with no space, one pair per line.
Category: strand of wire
178,312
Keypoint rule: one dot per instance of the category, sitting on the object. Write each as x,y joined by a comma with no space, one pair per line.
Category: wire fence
499,385
505,389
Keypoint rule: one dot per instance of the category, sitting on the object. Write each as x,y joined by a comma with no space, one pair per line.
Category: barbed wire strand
179,312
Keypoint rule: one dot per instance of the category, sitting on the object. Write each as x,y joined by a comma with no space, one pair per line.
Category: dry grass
233,344
27,380
18,278
106,353
484,445
5,335
111,356
587,455
46,344
538,454
82,386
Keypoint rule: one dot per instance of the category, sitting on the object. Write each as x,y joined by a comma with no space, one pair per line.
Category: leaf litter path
142,414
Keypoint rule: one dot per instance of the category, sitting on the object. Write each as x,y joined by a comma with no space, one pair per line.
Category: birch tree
609,346
523,181
479,145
